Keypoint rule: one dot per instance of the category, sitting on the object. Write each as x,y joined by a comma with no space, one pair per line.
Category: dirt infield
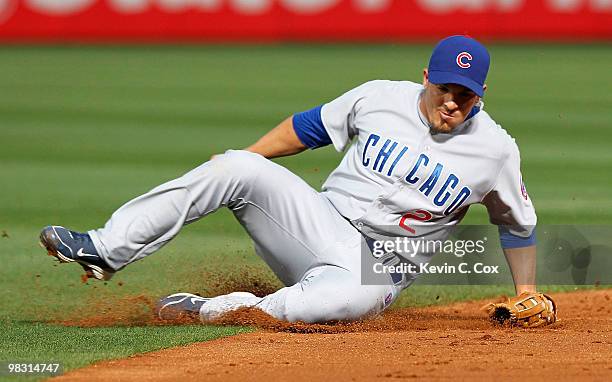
439,343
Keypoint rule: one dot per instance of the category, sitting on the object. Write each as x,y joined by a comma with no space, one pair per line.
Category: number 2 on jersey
418,215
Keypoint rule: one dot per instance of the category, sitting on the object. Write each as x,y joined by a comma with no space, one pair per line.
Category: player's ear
484,87
425,77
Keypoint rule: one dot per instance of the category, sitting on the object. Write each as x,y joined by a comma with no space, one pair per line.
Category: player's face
446,106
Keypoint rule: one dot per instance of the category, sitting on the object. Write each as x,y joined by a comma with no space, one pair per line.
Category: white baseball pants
309,246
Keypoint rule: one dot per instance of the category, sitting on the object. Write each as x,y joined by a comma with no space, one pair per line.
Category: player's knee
239,164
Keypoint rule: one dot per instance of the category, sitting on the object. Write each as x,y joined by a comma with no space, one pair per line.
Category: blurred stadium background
103,99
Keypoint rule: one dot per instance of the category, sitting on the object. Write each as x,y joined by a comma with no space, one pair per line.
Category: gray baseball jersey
397,178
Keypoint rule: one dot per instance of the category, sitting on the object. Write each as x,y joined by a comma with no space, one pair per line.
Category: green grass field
85,129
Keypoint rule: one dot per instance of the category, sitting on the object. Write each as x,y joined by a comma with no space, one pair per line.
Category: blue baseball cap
460,60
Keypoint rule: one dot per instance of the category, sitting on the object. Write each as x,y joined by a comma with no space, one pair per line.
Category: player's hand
527,310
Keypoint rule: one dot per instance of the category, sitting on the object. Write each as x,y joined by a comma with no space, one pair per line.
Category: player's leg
295,229
283,214
146,223
308,245
262,194
326,293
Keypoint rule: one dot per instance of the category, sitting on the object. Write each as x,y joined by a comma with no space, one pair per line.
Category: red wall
302,20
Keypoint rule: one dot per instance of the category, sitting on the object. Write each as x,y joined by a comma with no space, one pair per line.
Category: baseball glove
527,310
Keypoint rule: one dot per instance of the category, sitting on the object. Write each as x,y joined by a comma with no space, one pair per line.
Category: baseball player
416,156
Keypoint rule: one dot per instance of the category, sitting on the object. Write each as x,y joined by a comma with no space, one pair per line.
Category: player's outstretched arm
529,309
278,142
522,263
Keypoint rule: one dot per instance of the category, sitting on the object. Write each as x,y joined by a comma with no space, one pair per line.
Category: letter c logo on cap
462,58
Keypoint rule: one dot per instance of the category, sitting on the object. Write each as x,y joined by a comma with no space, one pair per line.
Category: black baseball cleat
179,305
70,246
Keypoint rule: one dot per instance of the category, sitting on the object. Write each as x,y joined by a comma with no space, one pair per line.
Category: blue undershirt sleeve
309,128
508,240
